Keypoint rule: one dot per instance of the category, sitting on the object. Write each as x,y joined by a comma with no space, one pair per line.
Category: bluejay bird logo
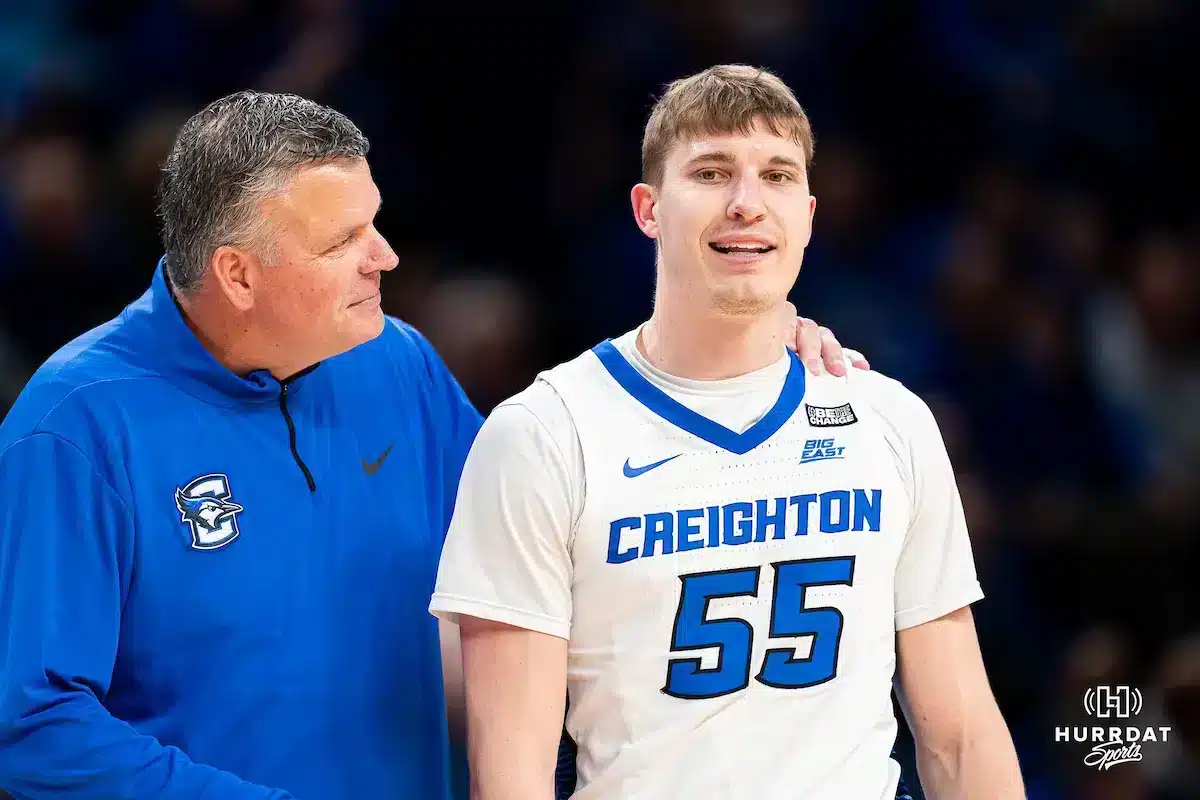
205,506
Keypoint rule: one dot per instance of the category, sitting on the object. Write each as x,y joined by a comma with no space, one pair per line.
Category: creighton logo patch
205,506
826,417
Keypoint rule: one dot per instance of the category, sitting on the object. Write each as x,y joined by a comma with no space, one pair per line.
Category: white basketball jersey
732,594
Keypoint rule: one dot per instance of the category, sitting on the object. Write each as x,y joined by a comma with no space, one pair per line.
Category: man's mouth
744,244
728,248
366,299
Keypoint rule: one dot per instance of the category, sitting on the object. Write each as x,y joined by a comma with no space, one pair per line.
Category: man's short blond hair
724,99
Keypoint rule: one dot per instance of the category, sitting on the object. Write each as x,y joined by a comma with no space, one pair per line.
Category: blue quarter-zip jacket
215,586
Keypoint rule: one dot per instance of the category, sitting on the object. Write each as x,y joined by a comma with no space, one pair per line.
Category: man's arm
505,578
964,748
516,696
65,552
450,637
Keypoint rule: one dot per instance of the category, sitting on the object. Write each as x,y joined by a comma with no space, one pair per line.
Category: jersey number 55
734,638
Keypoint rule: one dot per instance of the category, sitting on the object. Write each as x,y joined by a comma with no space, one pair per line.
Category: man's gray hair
227,159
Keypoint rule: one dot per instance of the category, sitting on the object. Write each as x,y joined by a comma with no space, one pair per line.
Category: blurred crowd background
1006,222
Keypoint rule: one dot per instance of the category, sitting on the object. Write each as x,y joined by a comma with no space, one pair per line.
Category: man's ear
645,207
235,272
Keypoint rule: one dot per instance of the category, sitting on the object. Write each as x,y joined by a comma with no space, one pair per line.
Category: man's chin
743,301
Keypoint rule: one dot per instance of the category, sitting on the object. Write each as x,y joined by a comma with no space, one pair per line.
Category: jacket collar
166,343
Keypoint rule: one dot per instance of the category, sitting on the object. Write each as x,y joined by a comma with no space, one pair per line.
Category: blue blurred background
1006,222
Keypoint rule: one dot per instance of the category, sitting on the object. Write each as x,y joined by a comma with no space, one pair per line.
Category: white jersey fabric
729,561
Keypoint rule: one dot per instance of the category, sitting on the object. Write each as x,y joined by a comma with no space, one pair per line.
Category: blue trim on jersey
699,425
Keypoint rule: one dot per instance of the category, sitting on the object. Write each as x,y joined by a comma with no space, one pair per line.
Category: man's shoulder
889,399
398,333
537,413
80,386
556,397
400,374
548,397
539,399
579,379
897,413
402,339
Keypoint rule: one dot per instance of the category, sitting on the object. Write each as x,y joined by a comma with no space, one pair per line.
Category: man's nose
382,258
747,203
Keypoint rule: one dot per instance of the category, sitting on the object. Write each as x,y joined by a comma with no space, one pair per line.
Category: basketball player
722,560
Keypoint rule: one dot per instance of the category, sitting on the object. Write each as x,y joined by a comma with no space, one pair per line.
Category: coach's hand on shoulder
817,346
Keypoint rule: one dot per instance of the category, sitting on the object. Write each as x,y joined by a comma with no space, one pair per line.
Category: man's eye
708,175
779,177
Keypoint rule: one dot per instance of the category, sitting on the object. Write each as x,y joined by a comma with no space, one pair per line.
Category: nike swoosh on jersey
371,467
633,472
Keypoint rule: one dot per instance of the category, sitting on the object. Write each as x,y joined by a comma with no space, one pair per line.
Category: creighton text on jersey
743,522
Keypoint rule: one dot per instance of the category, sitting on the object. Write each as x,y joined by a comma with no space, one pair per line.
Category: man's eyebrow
341,234
784,161
713,156
723,157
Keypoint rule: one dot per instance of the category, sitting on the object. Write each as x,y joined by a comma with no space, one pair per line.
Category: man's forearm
507,760
516,696
71,747
511,781
980,763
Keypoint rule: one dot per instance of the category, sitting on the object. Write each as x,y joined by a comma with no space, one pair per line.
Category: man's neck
710,346
230,338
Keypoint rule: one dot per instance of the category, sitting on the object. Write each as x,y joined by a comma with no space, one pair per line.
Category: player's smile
742,242
742,250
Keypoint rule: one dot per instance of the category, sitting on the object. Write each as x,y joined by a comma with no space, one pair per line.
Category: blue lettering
777,519
687,528
615,554
830,523
802,502
737,531
820,449
867,511
660,529
714,526
743,522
